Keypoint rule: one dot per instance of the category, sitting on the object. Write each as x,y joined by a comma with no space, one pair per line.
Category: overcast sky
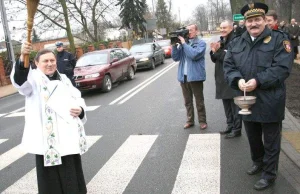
186,7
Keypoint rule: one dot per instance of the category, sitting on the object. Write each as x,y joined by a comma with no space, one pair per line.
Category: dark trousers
295,51
66,178
233,119
188,90
264,140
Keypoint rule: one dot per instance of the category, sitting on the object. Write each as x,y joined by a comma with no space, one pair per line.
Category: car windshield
164,43
125,50
92,59
143,48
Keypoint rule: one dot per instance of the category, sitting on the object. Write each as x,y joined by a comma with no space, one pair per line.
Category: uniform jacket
294,31
32,141
66,63
268,60
223,90
194,54
240,30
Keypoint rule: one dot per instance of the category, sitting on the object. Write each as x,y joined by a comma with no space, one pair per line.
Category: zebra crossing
199,171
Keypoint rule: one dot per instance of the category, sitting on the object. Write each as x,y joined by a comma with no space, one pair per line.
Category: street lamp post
8,42
153,8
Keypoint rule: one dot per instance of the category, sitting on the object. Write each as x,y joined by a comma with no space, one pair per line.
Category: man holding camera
191,74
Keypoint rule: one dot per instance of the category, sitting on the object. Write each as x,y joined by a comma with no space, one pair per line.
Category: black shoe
233,134
227,130
255,169
263,184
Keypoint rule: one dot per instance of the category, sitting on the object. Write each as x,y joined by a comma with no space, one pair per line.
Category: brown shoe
188,125
203,126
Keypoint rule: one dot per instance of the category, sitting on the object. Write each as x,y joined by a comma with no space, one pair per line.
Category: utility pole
179,15
9,48
153,8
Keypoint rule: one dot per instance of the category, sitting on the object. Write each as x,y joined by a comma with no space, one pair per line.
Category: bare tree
86,16
50,15
90,14
201,17
236,5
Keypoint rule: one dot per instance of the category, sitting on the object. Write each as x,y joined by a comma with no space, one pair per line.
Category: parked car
148,55
166,45
100,69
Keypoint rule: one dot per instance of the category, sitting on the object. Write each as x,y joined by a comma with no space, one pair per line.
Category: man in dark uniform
241,28
294,31
223,91
65,62
259,61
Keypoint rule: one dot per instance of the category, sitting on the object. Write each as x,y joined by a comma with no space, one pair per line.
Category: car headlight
92,75
144,59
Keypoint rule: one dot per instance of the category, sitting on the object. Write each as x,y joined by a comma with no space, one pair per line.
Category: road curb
8,95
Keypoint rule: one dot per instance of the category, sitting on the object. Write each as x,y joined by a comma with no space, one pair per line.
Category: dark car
166,45
100,69
147,55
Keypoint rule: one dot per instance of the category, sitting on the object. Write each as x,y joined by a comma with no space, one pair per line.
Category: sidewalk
7,90
290,144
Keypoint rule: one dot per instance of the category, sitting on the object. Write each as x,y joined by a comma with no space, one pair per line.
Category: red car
166,45
100,69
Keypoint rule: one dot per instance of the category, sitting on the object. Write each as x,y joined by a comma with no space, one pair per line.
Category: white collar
253,38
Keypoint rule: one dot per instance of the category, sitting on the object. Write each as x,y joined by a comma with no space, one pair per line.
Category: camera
179,32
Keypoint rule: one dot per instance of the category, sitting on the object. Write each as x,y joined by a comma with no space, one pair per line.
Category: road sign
238,17
151,24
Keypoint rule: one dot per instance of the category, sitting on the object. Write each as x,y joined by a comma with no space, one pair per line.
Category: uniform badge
251,6
267,39
287,46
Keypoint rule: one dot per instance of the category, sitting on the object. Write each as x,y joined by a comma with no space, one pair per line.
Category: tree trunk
236,5
68,28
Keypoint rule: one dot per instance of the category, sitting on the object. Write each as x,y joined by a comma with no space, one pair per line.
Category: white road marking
91,108
17,114
3,140
18,110
28,183
22,114
199,171
11,156
12,112
144,82
115,175
145,85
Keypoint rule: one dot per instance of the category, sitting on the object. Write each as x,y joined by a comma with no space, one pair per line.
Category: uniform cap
254,9
58,44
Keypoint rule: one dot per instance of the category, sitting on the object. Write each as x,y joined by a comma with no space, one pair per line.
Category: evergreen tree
132,14
35,37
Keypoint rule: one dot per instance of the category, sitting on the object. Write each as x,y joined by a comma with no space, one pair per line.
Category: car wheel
130,72
163,59
107,84
152,64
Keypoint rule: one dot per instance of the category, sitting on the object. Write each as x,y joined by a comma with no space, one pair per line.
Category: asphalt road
139,144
